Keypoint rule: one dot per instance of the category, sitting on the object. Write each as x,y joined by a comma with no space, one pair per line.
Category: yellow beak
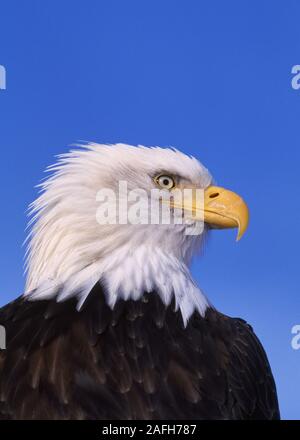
225,209
220,209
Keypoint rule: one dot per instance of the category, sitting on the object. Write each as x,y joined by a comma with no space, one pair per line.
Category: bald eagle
111,324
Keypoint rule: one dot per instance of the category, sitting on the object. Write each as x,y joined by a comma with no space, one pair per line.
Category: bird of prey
111,324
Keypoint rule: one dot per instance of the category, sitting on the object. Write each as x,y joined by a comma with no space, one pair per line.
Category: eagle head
129,217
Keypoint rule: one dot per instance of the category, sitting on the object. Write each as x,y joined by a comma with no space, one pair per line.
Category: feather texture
137,361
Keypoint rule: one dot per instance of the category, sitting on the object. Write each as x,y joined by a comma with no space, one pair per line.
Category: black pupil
166,182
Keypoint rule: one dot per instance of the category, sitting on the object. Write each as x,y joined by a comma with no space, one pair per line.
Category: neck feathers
127,274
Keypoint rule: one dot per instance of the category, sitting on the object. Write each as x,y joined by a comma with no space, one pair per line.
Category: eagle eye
166,182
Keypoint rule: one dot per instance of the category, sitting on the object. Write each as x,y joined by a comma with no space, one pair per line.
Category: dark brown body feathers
134,362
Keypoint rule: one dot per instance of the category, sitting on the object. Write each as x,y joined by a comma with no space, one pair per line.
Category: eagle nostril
213,195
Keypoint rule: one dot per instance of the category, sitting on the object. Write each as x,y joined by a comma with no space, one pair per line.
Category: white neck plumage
128,274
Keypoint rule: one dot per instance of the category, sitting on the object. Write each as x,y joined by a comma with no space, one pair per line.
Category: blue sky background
212,78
